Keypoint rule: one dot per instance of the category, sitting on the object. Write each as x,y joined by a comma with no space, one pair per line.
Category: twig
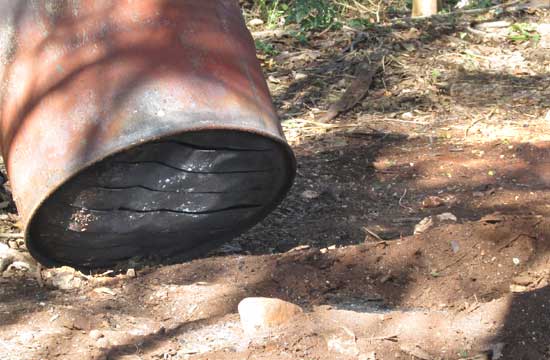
481,33
401,201
511,241
404,121
356,91
370,232
393,338
452,263
12,235
264,34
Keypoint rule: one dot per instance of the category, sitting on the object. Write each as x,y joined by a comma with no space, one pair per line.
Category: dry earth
455,122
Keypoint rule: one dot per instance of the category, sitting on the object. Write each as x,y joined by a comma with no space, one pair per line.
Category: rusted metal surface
84,79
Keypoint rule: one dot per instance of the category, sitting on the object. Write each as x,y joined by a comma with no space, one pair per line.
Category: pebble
64,278
432,202
446,217
19,260
518,288
310,194
96,334
300,76
423,225
263,314
131,273
102,343
255,22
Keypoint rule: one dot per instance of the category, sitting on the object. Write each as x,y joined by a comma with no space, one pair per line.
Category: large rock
260,314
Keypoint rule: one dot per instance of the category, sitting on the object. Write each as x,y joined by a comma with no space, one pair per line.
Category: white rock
446,217
423,225
263,314
255,22
343,341
22,261
299,76
310,194
96,334
64,278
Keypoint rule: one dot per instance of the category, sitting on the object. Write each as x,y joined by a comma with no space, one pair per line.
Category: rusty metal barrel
135,127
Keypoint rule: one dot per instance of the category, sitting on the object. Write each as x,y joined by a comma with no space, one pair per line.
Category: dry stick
264,34
372,233
513,240
393,338
452,263
356,91
12,235
401,201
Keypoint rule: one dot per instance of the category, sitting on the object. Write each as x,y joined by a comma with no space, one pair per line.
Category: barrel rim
194,251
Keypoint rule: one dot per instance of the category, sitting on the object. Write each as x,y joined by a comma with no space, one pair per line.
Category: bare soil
453,123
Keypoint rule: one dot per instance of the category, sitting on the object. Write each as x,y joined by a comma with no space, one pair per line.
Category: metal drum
135,127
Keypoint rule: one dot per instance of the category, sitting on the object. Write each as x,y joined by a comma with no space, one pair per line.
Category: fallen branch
12,235
264,34
372,233
357,90
392,338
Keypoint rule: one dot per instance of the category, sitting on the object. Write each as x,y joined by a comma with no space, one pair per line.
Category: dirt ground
456,124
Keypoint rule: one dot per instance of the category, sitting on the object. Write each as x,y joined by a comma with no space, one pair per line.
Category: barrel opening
179,195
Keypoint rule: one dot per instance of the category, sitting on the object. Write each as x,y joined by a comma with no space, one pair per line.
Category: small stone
255,22
65,279
131,272
432,202
10,256
478,194
407,115
19,266
518,288
310,194
299,76
273,79
104,290
262,314
446,217
423,225
455,246
516,261
102,343
343,341
96,334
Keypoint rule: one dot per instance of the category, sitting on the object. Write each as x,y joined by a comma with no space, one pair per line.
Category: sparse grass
266,48
523,32
319,15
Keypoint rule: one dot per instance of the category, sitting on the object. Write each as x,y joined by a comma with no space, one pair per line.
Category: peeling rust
82,80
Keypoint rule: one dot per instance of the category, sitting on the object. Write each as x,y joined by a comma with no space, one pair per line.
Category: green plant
313,14
266,48
360,23
521,32
272,11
